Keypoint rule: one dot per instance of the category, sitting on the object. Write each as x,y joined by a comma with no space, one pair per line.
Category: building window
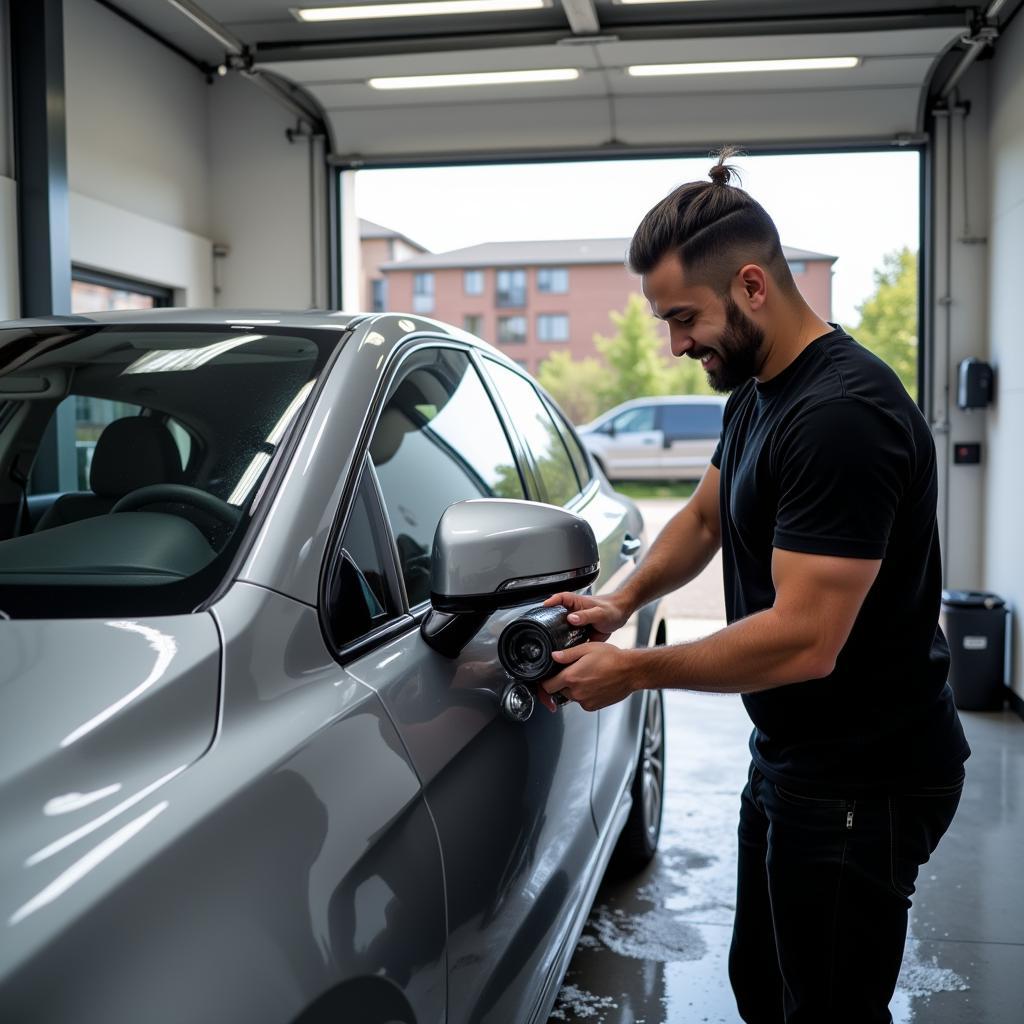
423,293
553,327
474,323
473,282
511,288
553,280
380,295
94,292
797,267
511,329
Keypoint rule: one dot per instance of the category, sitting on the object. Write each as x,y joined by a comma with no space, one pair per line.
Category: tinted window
359,597
438,441
579,459
218,404
534,423
695,420
634,420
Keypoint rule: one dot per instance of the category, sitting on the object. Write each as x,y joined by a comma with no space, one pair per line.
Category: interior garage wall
8,218
260,201
1004,548
138,155
960,315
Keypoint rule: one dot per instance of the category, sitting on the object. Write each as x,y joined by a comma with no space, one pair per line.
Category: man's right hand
603,615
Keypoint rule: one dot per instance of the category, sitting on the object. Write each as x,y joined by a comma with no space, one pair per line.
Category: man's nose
680,344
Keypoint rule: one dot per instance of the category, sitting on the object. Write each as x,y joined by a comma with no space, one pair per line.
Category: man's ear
753,282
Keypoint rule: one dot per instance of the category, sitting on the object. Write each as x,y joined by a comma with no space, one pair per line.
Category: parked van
669,437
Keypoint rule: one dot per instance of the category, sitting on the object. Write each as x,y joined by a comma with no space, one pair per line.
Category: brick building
379,245
534,298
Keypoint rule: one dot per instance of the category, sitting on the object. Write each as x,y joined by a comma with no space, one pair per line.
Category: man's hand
604,615
596,675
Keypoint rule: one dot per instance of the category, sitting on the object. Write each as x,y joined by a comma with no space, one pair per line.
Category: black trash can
974,622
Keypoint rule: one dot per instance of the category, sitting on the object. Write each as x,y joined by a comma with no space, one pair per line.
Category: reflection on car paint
90,826
68,802
96,856
165,647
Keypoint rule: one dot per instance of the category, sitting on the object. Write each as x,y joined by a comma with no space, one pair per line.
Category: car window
576,453
634,420
134,528
538,430
438,440
359,596
692,420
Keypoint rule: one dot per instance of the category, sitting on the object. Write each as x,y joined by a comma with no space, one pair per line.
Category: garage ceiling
605,110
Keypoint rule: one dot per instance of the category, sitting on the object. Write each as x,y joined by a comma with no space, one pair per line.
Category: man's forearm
679,553
759,652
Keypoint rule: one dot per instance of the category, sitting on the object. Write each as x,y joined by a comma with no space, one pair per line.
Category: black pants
823,891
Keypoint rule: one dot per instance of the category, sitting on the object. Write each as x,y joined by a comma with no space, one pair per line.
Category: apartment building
379,245
533,298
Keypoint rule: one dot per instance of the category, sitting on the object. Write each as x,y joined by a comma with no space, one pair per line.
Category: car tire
639,839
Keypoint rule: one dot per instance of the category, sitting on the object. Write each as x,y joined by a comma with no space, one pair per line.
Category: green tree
575,384
888,318
633,354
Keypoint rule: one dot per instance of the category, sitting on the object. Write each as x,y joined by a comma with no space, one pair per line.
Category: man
822,496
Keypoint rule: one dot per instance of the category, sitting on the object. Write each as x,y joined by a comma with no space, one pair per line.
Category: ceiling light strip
728,67
423,8
476,78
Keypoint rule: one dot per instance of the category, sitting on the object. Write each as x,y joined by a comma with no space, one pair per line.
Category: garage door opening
530,256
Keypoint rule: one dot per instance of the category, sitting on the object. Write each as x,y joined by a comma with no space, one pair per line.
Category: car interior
147,516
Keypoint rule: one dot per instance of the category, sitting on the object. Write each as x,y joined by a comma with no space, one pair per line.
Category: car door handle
631,545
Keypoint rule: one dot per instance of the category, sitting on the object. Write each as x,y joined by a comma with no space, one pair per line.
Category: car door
634,448
690,431
565,478
510,800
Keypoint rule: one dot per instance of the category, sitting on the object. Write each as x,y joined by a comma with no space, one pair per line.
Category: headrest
133,452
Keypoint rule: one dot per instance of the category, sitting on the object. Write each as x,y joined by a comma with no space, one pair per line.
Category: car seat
132,452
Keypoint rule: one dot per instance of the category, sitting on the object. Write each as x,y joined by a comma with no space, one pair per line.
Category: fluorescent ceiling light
476,78
725,67
425,8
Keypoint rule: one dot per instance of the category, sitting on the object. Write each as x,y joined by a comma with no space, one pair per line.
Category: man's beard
738,349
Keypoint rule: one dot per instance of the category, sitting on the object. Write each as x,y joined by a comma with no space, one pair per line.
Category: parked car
258,758
658,438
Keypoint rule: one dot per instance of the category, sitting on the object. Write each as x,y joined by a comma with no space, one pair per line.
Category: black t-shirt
832,457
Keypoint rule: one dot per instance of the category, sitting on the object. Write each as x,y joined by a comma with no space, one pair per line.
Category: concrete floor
654,950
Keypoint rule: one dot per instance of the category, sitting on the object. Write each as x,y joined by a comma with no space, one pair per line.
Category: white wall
8,219
260,201
138,155
960,312
1004,520
104,237
137,120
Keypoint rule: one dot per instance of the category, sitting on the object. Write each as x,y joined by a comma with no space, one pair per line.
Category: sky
856,206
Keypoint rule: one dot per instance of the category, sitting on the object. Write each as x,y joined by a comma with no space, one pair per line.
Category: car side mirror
492,553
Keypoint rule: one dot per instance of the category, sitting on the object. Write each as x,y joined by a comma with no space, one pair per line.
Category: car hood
95,716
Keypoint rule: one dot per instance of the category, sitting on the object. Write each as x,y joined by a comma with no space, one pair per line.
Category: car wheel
639,840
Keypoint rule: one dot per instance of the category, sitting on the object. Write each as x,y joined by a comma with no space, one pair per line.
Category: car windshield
129,459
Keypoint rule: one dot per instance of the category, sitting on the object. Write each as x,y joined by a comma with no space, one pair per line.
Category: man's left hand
595,675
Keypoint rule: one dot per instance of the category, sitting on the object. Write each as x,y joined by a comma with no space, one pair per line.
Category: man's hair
715,228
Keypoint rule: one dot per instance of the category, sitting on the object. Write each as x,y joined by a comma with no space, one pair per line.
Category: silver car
669,437
259,757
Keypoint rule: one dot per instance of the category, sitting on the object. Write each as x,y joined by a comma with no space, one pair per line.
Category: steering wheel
181,494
